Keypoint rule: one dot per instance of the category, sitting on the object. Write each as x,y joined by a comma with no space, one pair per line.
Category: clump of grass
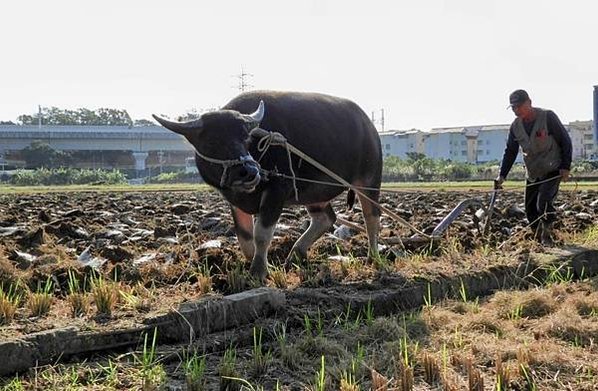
105,295
9,302
431,369
152,372
204,279
110,373
15,384
452,248
382,329
135,298
587,306
40,302
570,328
536,304
236,279
558,275
288,353
530,304
279,277
428,297
77,297
369,313
320,378
382,264
503,375
474,377
308,274
195,370
406,363
260,359
486,324
348,380
227,370
379,381
525,371
347,320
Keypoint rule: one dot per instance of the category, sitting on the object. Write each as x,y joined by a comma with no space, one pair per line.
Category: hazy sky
427,63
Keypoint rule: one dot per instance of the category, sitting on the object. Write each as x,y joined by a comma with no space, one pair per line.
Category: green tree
143,122
194,114
40,154
82,116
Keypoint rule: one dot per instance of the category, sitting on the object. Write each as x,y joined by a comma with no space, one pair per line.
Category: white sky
427,63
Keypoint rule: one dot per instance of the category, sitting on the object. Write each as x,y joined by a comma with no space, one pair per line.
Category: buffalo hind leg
322,218
371,215
244,230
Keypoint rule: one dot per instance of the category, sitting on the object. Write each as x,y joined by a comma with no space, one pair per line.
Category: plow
422,240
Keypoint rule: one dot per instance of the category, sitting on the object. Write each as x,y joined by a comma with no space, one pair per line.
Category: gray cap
518,97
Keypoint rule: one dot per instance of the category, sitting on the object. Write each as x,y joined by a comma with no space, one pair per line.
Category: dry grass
79,304
105,296
431,368
279,277
461,351
236,279
78,298
40,302
9,302
204,280
587,306
548,334
9,275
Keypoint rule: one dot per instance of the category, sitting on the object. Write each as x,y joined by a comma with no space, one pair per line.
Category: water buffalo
331,130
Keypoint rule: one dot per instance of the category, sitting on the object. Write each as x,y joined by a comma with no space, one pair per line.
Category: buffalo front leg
244,230
371,215
322,218
269,212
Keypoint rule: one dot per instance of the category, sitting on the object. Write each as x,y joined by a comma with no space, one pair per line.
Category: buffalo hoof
259,271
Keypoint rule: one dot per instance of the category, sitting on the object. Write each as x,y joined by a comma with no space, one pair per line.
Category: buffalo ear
186,129
257,116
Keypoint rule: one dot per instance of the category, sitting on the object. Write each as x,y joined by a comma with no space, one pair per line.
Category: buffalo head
220,139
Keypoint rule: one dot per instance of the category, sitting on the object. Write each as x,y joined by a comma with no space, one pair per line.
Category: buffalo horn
258,115
184,128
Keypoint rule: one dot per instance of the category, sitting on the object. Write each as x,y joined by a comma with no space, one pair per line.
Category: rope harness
226,164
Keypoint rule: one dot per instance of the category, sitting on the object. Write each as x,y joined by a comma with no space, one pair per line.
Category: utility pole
243,84
39,116
381,121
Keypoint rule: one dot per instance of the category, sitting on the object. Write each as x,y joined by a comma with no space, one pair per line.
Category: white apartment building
582,138
400,142
475,144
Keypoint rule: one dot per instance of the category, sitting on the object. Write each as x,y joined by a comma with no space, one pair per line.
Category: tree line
82,116
99,117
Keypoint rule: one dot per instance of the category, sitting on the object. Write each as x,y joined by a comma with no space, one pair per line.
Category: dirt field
133,255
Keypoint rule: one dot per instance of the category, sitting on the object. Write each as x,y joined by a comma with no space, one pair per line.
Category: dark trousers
539,198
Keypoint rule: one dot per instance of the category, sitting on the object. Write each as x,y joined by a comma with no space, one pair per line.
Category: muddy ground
159,245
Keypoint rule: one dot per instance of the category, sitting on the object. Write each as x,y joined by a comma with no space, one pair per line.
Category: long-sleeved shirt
555,128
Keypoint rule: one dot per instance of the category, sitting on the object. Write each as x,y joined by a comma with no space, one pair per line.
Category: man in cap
546,148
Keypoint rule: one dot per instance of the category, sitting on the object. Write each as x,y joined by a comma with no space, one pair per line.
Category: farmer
546,149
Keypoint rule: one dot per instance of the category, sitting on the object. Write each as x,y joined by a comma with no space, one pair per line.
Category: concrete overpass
139,141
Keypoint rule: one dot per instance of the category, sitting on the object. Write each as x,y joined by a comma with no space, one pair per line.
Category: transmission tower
243,84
